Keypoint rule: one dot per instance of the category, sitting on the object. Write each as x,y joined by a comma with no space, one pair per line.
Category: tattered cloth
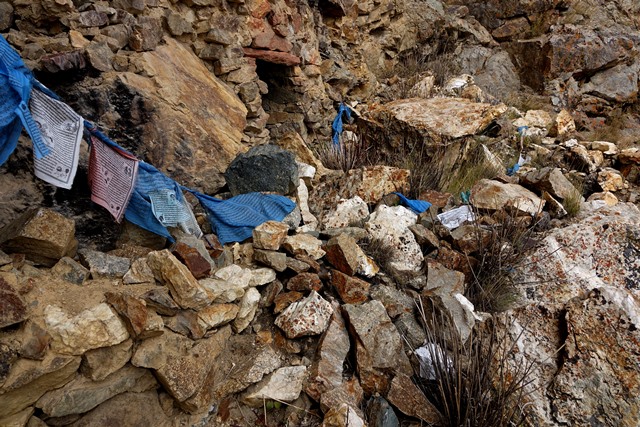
16,82
233,220
416,206
336,126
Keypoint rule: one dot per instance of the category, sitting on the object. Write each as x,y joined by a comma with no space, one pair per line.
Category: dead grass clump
349,154
472,382
573,202
503,247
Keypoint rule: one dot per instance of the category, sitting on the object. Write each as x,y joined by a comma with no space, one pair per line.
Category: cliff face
139,68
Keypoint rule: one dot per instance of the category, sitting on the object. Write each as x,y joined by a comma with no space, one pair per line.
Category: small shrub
474,384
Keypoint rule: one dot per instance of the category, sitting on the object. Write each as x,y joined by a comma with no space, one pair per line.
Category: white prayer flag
61,130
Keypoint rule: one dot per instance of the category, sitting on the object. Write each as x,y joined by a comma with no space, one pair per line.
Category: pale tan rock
285,384
309,316
218,314
565,124
343,416
448,117
607,148
304,244
82,394
326,370
273,259
389,226
139,272
607,197
29,379
293,142
247,310
97,364
180,364
346,213
610,180
95,327
302,195
409,399
262,276
185,289
269,235
423,88
129,409
495,195
379,347
43,235
344,253
19,419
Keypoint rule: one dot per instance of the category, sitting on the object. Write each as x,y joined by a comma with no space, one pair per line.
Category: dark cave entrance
283,102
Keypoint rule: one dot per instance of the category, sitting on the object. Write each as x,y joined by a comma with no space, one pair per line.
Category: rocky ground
316,319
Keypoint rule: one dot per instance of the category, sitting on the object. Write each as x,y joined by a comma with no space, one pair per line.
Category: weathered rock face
193,143
494,195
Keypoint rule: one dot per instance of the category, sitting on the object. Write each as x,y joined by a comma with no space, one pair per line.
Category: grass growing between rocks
351,153
472,384
503,246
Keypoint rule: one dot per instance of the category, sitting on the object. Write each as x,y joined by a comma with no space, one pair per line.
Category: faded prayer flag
61,130
112,177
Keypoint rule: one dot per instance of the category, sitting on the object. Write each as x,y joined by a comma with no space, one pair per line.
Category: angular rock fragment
247,310
218,314
29,379
35,342
95,327
346,213
283,385
351,289
263,168
12,306
43,235
189,256
70,270
185,289
389,227
309,316
344,253
304,282
379,347
99,363
141,322
81,394
304,244
275,260
494,195
409,399
270,235
328,365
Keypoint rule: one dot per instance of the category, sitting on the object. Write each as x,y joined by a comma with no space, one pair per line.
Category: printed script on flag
112,177
61,130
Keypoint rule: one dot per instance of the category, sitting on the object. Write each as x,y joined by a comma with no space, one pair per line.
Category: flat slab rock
450,117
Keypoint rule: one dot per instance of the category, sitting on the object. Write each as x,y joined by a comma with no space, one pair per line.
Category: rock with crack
389,226
379,347
283,385
344,253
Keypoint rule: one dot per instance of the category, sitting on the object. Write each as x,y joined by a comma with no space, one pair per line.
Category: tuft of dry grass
503,247
349,154
474,383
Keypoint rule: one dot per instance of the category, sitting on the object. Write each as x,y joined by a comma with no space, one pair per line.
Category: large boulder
263,168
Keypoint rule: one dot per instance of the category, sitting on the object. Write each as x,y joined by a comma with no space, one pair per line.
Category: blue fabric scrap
465,197
139,211
343,110
16,82
233,220
416,206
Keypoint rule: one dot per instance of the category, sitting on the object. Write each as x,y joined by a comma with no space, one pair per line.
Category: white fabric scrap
61,130
456,217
